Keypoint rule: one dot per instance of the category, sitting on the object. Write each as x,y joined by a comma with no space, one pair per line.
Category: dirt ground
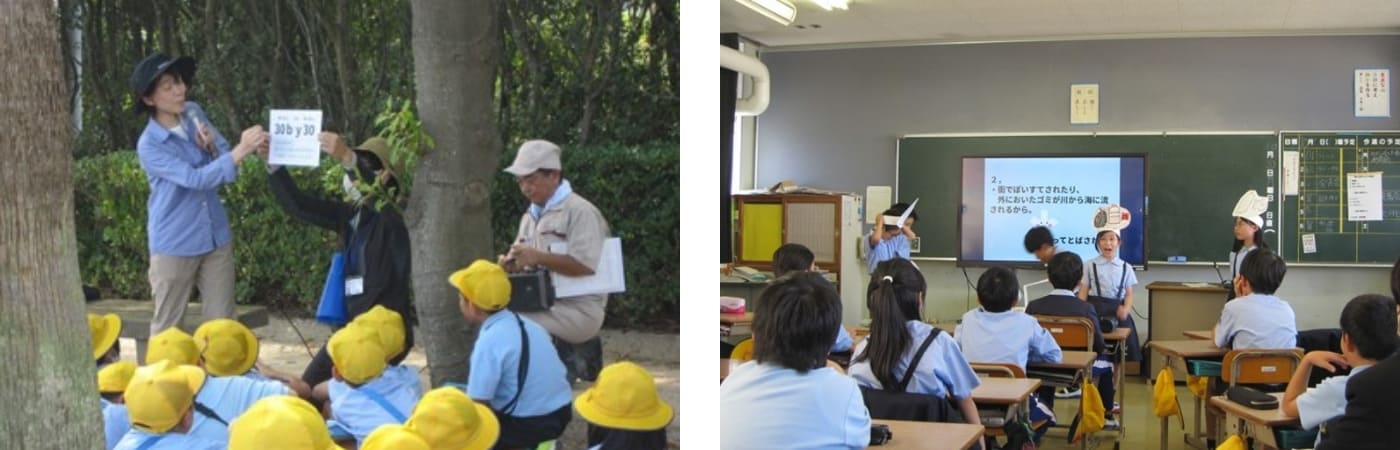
283,348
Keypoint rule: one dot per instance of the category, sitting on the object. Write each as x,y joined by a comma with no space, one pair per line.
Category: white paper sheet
1309,243
1290,172
1083,104
877,200
1372,96
607,278
1364,197
295,137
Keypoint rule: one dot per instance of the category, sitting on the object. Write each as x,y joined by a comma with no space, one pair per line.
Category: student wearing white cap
1249,230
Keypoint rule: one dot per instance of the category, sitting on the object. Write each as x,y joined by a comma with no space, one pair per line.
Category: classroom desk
1119,336
912,435
1206,335
1004,391
735,324
1256,424
1184,350
1175,307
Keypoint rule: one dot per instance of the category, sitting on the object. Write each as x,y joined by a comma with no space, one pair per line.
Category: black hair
1395,281
792,258
893,298
613,438
113,354
997,289
367,165
1065,270
1258,238
112,396
1100,236
898,209
1264,270
1369,321
1038,237
795,321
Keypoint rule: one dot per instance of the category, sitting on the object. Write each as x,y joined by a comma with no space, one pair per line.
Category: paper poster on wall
877,200
1372,92
1290,172
1309,243
1364,197
1084,104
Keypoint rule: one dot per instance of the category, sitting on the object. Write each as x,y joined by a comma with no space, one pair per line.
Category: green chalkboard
1193,183
1318,223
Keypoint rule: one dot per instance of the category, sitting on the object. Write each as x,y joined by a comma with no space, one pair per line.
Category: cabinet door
814,225
761,230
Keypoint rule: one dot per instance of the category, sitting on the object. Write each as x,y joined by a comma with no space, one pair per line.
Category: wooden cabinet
828,224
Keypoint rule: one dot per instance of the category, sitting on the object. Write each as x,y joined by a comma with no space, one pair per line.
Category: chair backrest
1260,366
997,370
1071,332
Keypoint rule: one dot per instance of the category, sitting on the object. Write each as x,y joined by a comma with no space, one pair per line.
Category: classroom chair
993,419
1260,366
1071,332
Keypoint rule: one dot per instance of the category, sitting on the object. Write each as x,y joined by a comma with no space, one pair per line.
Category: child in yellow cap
390,326
624,411
160,402
111,384
394,437
280,422
105,329
172,344
447,419
514,367
227,348
360,398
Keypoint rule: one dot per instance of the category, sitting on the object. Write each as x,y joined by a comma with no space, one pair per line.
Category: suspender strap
524,367
383,403
914,363
209,412
1123,280
150,442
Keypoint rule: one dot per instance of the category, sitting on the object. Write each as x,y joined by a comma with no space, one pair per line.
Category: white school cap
1251,208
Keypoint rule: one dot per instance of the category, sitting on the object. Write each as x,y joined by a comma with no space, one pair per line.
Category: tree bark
449,212
47,381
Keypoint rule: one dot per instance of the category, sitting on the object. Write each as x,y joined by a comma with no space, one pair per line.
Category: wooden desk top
1180,286
732,319
1004,391
1267,417
912,435
1119,334
1188,348
1074,360
1199,334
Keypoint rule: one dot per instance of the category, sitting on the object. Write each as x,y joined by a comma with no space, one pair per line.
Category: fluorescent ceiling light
830,4
780,11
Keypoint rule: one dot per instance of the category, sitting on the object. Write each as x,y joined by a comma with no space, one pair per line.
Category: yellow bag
1164,402
1233,443
1091,413
1197,385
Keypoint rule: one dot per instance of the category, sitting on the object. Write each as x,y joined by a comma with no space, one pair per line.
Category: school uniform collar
1065,292
1358,369
498,317
560,193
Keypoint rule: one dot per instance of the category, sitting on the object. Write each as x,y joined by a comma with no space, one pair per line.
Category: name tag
354,286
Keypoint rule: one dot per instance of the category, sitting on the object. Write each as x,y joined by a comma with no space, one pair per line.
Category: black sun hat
150,69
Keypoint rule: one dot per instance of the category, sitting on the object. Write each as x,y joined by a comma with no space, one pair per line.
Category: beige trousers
173,279
573,319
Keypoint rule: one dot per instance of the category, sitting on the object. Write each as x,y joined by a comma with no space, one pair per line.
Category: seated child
787,397
390,326
889,240
111,383
1256,318
394,437
624,411
1368,335
104,330
360,398
173,344
227,348
447,418
995,333
218,400
160,403
1063,272
790,258
280,422
514,367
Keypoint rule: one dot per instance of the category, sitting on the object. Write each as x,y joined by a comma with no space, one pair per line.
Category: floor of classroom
1143,428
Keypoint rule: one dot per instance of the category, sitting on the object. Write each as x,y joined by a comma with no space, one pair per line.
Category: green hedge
282,262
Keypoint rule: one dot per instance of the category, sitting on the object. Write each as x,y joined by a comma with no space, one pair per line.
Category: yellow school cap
228,347
625,398
113,378
280,422
449,420
161,393
174,345
105,329
484,284
357,353
390,326
394,437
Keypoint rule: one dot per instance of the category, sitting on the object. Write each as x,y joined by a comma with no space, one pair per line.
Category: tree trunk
454,66
47,382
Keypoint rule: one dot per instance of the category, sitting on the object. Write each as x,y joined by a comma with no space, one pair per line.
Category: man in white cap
564,233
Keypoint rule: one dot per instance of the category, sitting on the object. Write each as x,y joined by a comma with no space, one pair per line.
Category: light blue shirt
1326,400
767,406
356,412
843,340
407,376
1237,260
1256,321
560,193
172,441
895,247
1006,337
1105,282
229,397
184,215
116,422
496,361
942,372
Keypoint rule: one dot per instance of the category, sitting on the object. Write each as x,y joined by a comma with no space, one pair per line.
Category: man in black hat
185,160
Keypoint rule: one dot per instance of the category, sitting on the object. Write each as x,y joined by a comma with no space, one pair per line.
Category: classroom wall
835,116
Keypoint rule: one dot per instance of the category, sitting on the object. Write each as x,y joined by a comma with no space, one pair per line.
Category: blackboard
1194,181
1321,211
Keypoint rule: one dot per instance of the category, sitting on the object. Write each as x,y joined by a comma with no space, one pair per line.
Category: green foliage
279,261
637,188
403,131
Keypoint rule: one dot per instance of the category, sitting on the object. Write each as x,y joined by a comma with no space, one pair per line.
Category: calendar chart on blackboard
1342,196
